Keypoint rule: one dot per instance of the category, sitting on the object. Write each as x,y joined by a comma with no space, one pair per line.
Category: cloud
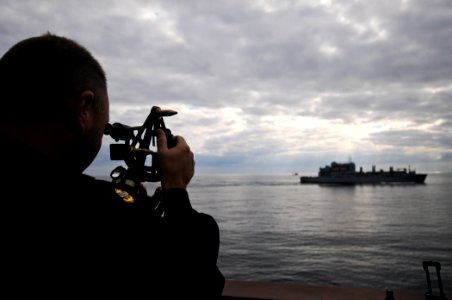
269,86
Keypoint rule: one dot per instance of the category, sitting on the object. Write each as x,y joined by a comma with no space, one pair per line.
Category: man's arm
191,239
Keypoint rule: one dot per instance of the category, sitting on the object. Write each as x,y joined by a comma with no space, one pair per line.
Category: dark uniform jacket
66,235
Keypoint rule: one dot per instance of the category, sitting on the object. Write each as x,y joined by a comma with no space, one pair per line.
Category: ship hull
366,179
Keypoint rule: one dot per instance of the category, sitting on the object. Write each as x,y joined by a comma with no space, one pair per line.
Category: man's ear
83,108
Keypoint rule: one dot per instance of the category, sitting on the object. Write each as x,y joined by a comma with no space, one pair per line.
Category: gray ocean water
274,229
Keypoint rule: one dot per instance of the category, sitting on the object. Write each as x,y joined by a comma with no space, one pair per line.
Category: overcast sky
269,86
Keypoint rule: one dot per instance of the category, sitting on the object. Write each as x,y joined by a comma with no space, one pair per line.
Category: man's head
51,85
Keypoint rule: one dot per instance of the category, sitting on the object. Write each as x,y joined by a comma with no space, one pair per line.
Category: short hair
39,74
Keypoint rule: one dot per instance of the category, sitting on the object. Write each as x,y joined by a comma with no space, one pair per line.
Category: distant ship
345,173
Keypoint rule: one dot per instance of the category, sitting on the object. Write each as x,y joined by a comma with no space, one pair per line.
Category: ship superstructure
345,173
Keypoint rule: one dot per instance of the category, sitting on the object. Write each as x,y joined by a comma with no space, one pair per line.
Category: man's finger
161,140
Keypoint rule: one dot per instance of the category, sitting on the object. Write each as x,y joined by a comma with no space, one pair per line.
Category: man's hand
177,164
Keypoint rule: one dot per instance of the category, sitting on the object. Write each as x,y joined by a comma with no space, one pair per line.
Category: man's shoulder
97,191
94,182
